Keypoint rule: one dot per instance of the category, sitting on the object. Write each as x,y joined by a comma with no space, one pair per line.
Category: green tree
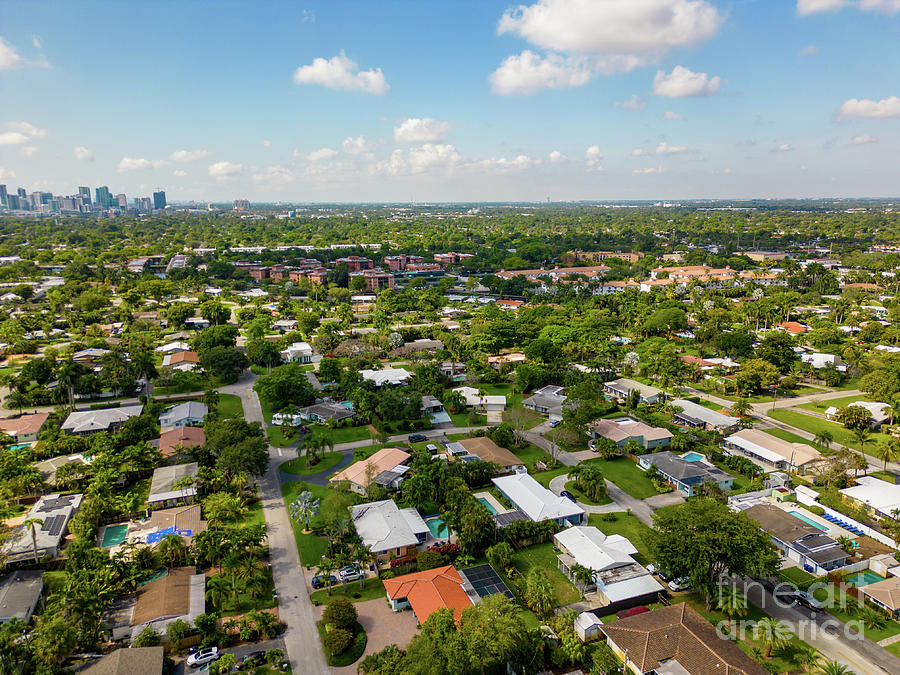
854,417
538,593
304,508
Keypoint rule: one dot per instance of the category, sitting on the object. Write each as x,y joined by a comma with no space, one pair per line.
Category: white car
680,584
203,657
351,573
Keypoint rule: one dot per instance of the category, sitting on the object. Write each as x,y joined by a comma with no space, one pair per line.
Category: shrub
818,510
147,638
428,560
500,555
340,613
388,574
610,517
337,640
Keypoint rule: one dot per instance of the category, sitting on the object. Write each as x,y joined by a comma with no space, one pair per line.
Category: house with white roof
623,387
174,347
819,360
54,511
618,578
387,530
547,400
537,502
389,376
85,422
879,496
696,416
877,409
486,403
299,352
189,414
769,452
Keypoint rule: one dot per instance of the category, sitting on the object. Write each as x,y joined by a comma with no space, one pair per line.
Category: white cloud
223,170
273,177
886,107
883,6
137,163
13,138
83,154
356,146
864,140
556,157
637,152
9,57
722,172
633,103
504,164
427,157
684,82
784,147
36,41
26,128
6,173
673,115
666,149
321,153
809,50
806,7
267,144
179,173
529,73
422,130
613,26
648,170
341,72
189,155
593,155
29,150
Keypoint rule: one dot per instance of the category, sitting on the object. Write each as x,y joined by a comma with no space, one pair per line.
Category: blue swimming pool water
488,505
437,527
692,457
114,535
864,578
808,521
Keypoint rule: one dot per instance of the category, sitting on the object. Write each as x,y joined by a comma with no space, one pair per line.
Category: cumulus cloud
341,72
883,6
9,57
321,153
223,170
648,170
188,155
809,50
416,130
556,157
26,128
684,82
633,103
864,140
593,155
273,177
529,73
137,163
885,108
6,173
29,150
504,164
267,144
637,152
179,173
356,146
83,154
13,138
428,157
666,149
806,7
673,115
784,147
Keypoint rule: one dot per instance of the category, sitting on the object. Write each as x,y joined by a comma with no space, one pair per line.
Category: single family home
188,414
428,591
387,530
536,501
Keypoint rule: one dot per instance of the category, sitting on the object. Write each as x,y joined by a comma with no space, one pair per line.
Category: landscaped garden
300,467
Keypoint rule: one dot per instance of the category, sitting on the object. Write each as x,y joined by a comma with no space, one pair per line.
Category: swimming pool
437,527
113,535
488,505
693,457
808,521
864,578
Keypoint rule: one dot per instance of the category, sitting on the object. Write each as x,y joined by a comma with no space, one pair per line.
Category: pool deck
832,530
490,499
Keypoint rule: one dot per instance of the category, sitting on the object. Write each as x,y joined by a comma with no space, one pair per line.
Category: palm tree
68,375
172,549
823,439
217,589
807,656
769,631
862,437
889,452
741,407
30,523
304,508
16,399
834,668
731,602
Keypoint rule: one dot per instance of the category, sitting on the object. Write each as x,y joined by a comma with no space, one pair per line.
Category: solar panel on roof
485,580
57,526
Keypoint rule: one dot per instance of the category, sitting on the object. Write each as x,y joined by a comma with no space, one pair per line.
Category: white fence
809,497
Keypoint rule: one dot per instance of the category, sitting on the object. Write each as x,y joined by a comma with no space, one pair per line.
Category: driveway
383,627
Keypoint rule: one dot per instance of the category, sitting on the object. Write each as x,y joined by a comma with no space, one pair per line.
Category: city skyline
572,100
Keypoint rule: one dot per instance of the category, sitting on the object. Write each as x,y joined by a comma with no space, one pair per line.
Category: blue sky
471,100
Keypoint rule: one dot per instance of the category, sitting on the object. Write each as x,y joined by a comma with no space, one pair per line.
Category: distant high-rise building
3,196
159,199
103,197
12,201
21,192
241,204
85,194
122,200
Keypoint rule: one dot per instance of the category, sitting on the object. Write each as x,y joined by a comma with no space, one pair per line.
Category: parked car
203,656
568,495
554,423
653,568
431,447
258,658
351,573
320,580
417,438
807,600
680,584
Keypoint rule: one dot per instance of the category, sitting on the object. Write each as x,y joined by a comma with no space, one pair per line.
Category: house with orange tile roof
181,361
793,327
175,440
361,474
24,428
428,591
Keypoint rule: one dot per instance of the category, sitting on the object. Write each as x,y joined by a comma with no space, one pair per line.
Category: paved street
239,653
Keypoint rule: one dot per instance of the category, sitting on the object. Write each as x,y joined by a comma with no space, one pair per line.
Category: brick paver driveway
383,627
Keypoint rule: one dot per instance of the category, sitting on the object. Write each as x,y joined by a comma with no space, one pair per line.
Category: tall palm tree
304,508
172,549
30,523
68,375
862,437
889,452
741,407
217,589
823,439
768,630
807,656
731,602
834,668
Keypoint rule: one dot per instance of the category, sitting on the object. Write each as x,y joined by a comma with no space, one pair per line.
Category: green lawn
374,589
244,602
789,436
230,406
797,576
580,496
347,434
842,606
542,555
276,437
462,420
544,477
842,402
254,515
531,455
628,526
627,476
334,503
763,398
298,466
848,385
816,424
532,419
513,398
